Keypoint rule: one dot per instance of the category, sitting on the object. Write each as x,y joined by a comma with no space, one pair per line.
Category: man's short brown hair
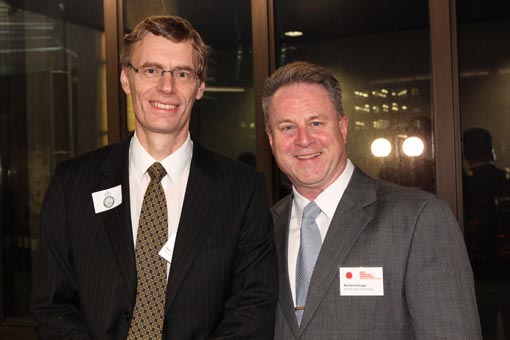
173,28
302,72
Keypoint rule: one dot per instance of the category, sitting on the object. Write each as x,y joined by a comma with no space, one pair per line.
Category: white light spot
381,147
413,146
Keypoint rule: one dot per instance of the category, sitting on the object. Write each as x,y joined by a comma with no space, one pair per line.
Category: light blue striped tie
309,248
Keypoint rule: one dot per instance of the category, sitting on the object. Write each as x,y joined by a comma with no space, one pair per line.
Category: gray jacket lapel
281,215
351,217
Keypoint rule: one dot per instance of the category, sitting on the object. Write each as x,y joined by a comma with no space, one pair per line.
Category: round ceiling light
293,34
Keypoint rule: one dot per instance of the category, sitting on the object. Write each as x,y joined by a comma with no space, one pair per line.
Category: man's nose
304,138
166,83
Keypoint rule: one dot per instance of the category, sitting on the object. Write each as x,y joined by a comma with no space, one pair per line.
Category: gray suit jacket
428,282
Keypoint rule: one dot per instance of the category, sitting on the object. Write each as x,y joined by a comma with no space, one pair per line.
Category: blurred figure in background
486,201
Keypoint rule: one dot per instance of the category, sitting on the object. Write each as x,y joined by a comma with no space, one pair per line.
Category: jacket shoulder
282,205
391,191
218,165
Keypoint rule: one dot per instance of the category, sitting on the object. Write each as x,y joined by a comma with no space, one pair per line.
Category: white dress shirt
328,201
177,166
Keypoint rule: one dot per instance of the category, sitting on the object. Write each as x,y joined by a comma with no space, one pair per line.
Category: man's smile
163,106
309,156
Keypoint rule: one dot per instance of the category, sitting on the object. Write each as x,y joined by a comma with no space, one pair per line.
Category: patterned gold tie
147,322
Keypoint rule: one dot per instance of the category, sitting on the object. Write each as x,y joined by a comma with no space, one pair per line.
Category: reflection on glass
413,147
484,82
52,107
224,119
380,52
381,147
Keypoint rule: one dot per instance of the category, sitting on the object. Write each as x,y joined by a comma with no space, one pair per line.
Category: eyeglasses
154,74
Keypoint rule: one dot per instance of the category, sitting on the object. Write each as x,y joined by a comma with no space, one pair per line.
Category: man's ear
200,91
344,125
269,136
124,81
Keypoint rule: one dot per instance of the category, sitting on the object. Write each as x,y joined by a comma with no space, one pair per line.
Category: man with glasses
156,237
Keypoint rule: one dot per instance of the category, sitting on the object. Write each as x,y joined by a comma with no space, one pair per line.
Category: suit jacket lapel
201,200
281,225
351,217
117,221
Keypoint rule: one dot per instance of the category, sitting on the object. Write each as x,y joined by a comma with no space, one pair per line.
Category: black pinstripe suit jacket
223,281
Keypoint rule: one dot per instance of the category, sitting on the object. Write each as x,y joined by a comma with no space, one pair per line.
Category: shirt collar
174,164
328,199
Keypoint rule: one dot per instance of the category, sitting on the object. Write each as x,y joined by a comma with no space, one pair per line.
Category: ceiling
318,19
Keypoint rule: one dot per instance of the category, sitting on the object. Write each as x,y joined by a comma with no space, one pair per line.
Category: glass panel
52,107
224,119
380,52
484,64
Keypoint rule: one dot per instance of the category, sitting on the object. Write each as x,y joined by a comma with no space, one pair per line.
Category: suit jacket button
127,315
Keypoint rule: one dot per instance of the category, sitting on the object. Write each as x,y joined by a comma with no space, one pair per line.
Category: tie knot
157,172
311,211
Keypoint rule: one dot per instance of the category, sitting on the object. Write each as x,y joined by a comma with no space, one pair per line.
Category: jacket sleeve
250,310
54,300
439,285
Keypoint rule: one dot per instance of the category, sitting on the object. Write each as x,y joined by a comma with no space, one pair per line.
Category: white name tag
107,199
361,281
168,249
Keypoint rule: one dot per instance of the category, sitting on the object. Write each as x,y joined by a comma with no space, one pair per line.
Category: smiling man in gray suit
358,258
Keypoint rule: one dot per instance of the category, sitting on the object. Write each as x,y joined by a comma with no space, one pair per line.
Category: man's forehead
300,115
165,55
151,45
298,94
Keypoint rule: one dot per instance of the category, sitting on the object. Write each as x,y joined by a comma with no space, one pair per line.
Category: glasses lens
154,74
184,76
151,72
